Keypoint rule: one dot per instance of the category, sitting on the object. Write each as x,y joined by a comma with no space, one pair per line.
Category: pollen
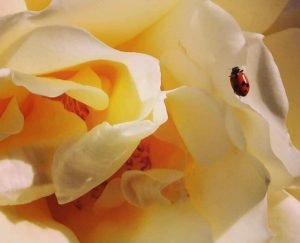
74,106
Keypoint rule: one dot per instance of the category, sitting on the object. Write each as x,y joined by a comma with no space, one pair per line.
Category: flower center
74,106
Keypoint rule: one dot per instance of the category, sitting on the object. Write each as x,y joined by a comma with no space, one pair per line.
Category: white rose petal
200,122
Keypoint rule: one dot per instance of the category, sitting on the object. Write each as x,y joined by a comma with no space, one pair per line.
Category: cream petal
234,129
200,122
32,228
12,7
286,51
251,227
104,19
175,223
284,217
261,145
228,193
37,53
254,16
89,160
200,30
267,97
184,71
143,188
24,176
12,120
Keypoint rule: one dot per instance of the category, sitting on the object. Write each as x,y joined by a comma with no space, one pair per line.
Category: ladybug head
235,70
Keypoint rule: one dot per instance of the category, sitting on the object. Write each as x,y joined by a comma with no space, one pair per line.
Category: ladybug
239,82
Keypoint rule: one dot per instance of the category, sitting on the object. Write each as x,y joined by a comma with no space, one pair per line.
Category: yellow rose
217,170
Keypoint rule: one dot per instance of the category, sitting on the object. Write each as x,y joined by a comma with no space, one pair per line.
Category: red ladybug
239,82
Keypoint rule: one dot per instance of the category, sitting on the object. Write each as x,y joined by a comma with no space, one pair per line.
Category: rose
215,119
83,90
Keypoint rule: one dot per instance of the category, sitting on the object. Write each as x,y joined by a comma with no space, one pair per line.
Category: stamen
74,106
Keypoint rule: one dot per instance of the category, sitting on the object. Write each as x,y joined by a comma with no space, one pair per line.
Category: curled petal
200,122
89,160
91,96
143,188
